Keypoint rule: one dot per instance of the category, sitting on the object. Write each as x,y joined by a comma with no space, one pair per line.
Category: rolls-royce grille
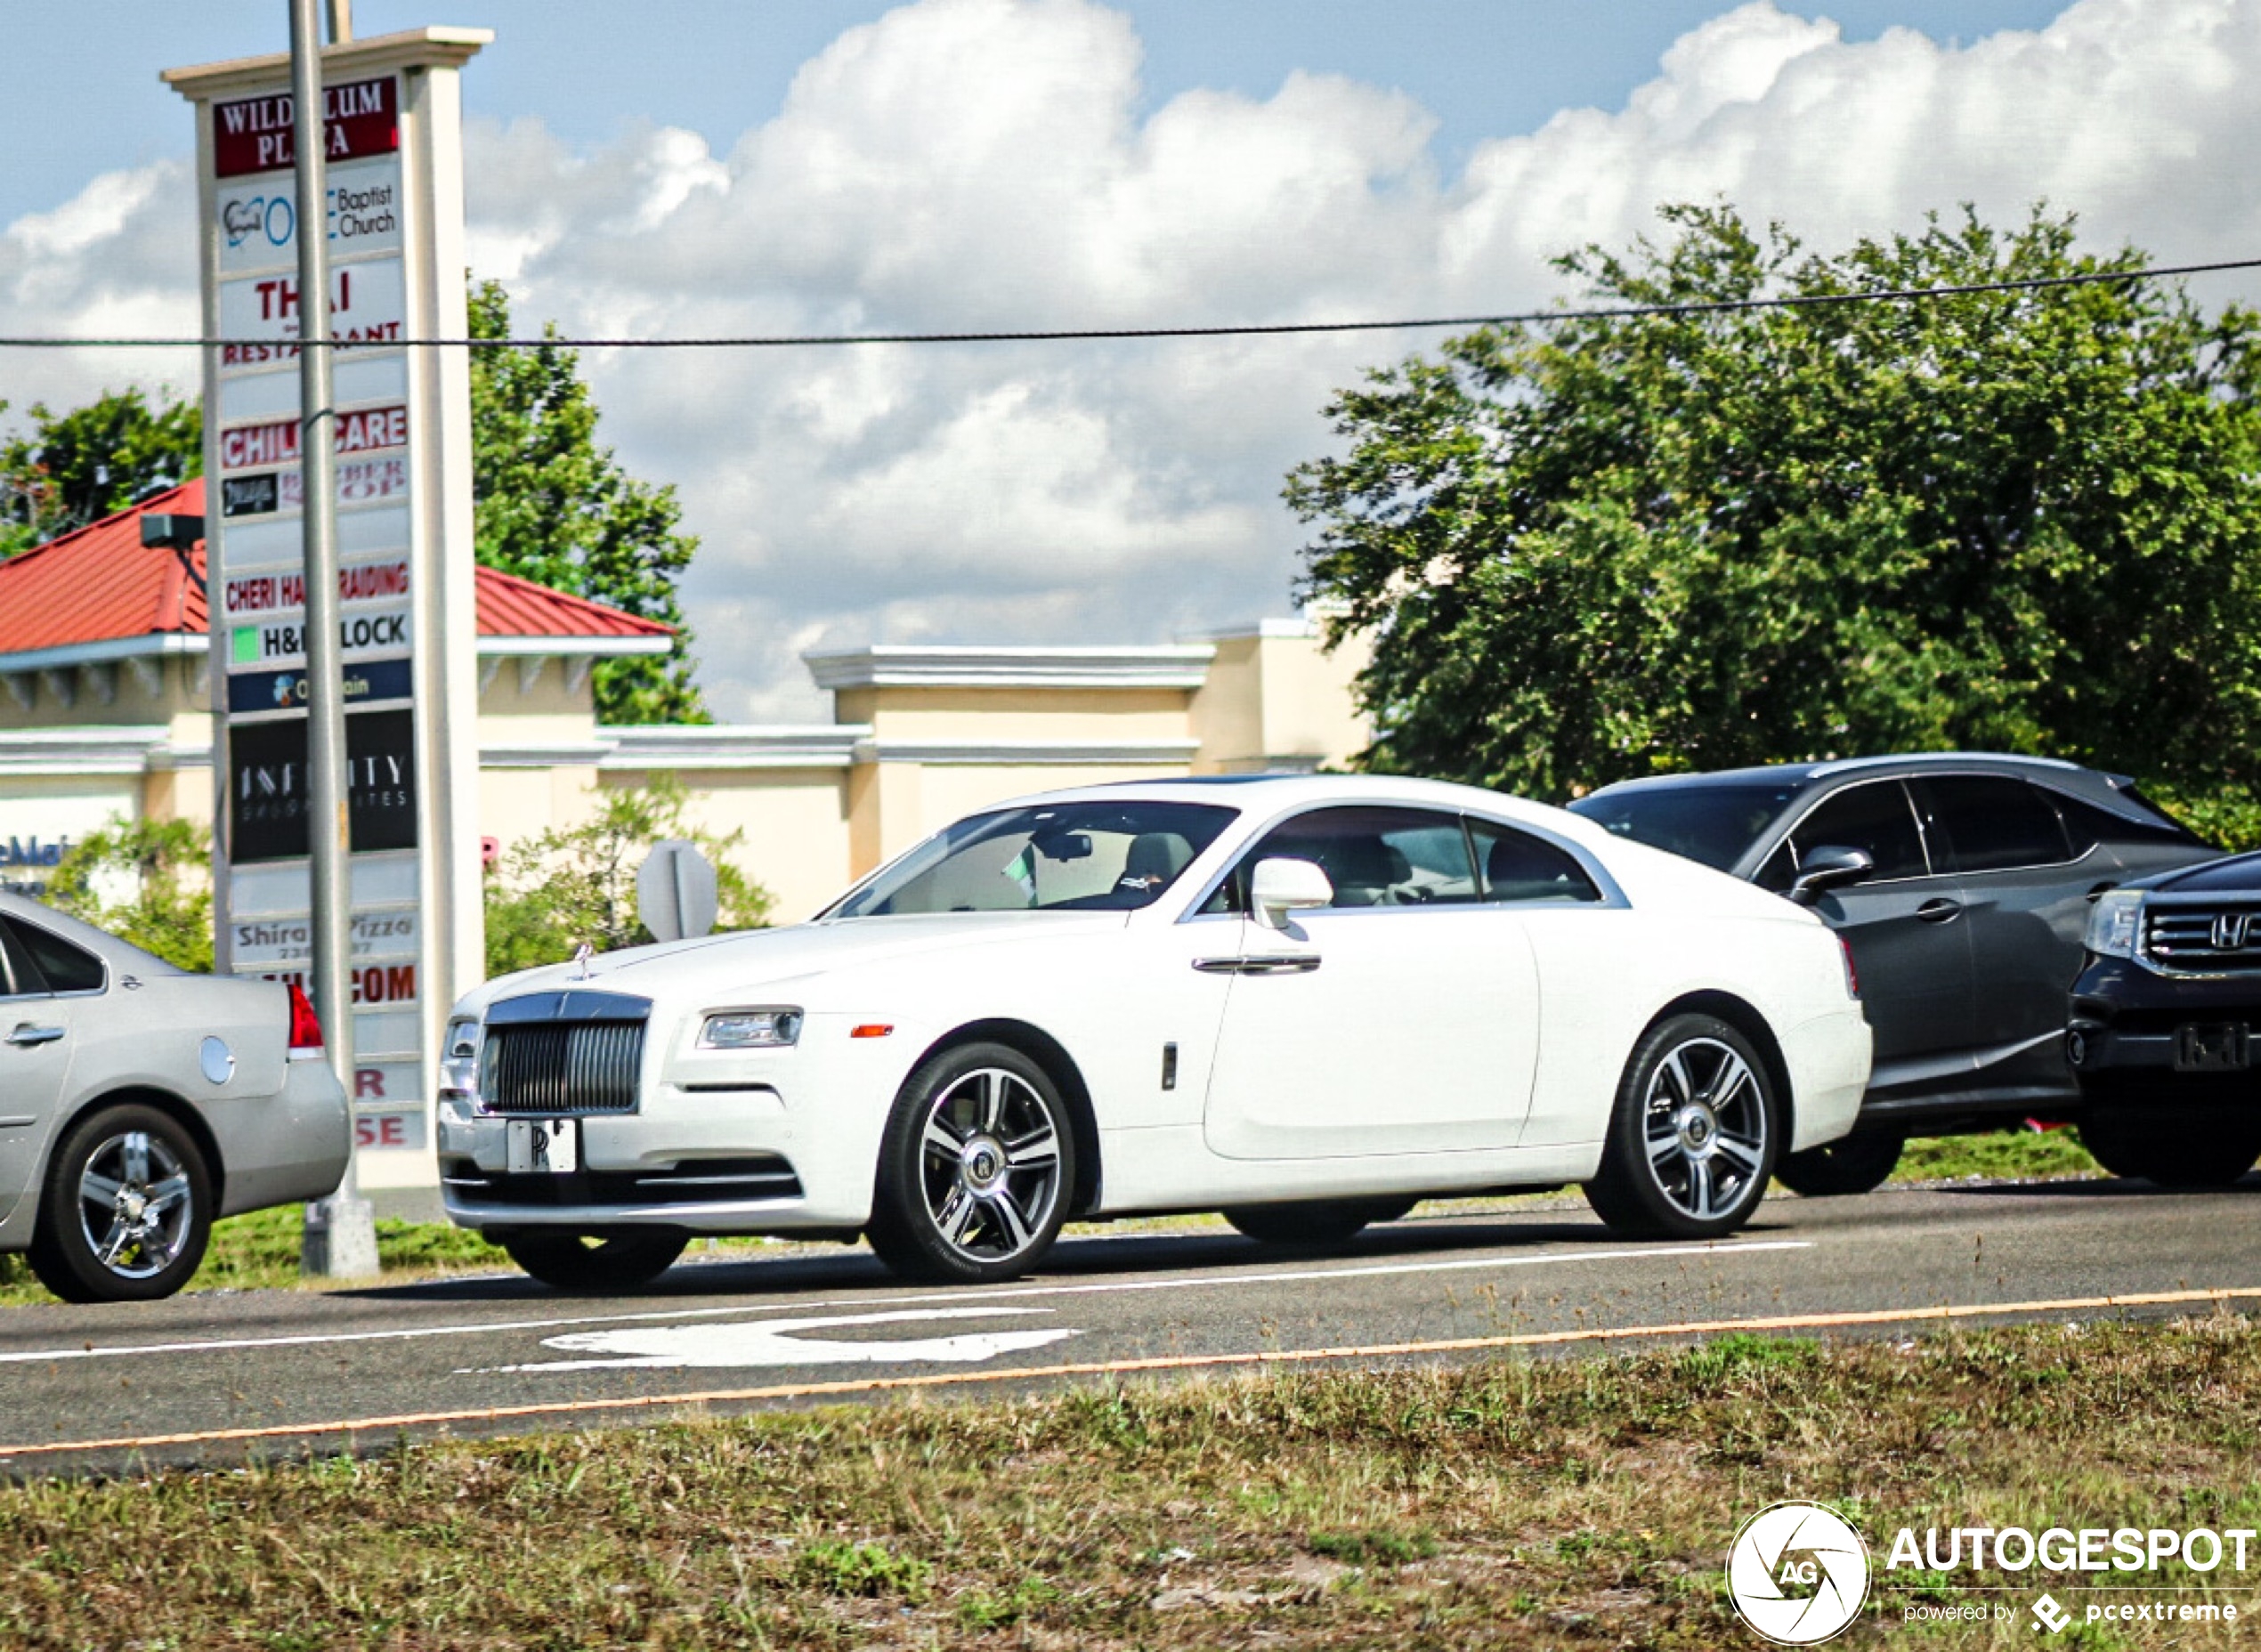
2206,939
562,1069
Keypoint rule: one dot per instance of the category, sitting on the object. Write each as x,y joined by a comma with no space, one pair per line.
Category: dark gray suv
1962,884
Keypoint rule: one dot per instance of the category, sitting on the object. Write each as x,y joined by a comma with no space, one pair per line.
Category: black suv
1961,883
2163,1016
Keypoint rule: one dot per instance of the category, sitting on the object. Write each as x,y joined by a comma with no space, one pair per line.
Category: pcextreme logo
1797,1573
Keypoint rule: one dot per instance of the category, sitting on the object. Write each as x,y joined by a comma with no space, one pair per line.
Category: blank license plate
544,1145
2210,1047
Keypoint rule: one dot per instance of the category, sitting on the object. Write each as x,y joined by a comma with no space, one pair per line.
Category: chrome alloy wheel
1705,1123
990,1164
135,1204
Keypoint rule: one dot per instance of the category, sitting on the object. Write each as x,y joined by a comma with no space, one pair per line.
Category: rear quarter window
61,966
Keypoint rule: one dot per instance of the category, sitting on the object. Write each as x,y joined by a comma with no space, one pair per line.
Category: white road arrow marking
771,1342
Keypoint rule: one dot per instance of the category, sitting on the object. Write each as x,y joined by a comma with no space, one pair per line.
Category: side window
2087,826
1876,816
1516,866
1995,822
18,978
64,967
1372,856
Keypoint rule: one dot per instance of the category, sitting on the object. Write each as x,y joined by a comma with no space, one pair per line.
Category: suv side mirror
1281,885
1830,866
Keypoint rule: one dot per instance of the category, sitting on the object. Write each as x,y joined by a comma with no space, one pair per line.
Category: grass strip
1508,1503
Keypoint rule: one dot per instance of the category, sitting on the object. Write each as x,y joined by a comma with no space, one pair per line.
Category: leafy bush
161,874
552,891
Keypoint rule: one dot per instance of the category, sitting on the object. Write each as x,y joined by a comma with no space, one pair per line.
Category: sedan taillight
305,1026
1852,974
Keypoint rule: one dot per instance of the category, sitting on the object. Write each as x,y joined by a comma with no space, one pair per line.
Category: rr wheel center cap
1699,1129
982,1163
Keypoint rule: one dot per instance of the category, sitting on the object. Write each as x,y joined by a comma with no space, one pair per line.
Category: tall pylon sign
408,628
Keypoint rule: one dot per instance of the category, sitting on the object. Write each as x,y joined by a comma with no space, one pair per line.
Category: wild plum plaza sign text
393,220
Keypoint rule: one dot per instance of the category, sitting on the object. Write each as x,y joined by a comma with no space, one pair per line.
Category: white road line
925,1297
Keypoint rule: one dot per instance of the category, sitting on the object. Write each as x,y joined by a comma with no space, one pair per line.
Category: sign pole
340,1239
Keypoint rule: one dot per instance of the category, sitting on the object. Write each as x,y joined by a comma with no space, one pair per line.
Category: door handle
1278,964
1939,911
27,1035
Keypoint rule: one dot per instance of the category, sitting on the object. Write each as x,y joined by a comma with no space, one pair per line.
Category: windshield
1063,857
1713,824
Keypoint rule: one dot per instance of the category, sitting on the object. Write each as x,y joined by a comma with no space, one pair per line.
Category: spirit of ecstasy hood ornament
581,955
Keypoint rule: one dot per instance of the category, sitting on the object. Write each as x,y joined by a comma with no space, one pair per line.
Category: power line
1528,318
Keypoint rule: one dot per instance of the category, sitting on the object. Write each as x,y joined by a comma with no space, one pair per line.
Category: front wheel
1314,1223
2174,1147
619,1262
1856,1164
126,1210
975,1169
1692,1137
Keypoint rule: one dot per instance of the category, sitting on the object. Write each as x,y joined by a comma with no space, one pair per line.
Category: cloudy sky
837,166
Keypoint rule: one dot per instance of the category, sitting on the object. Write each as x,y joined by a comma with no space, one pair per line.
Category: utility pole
340,1239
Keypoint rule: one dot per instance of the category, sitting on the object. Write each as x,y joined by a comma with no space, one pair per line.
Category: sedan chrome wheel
990,1165
126,1208
135,1205
1705,1126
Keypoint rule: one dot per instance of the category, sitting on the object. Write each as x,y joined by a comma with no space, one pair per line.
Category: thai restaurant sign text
253,134
367,303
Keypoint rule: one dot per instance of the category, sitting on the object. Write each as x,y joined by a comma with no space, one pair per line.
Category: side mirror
1830,866
1281,885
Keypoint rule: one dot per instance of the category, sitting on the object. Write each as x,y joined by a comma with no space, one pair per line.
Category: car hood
753,958
2232,874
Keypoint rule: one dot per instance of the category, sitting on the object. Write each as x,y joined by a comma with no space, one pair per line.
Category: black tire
2174,1147
1315,1223
153,1228
623,1261
1854,1164
976,1168
1663,1194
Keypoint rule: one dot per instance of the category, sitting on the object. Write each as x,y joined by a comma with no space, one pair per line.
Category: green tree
552,891
72,468
160,875
2023,519
554,507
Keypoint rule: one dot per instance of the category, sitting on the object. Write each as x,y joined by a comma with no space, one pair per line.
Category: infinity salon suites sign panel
408,632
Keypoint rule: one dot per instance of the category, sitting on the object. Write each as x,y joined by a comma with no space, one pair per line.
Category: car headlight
459,1057
751,1029
2115,923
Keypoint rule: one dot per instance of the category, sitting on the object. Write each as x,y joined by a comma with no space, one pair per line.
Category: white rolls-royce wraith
1305,1001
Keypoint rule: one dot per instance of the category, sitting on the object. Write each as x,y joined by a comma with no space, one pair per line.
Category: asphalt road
209,1378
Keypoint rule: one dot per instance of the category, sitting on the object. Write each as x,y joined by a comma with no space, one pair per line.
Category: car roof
2053,769
100,942
1269,794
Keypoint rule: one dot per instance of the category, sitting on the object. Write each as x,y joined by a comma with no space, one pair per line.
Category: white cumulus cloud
973,165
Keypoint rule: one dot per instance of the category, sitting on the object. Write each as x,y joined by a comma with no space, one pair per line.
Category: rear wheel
1691,1139
2175,1147
126,1211
975,1168
1856,1164
618,1262
1315,1222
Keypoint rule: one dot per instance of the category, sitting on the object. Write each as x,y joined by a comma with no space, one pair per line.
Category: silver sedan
139,1102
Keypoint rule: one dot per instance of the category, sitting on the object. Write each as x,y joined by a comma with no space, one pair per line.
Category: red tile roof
101,584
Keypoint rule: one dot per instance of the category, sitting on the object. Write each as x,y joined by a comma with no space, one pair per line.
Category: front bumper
2128,1022
775,1142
